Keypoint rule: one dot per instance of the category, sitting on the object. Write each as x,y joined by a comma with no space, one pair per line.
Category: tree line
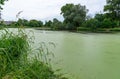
76,18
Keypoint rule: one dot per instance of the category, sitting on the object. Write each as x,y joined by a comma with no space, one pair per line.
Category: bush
93,24
115,29
83,29
107,23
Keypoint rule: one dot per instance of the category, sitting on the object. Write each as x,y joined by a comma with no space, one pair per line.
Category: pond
84,56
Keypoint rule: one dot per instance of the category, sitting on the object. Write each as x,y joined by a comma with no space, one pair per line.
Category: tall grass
14,60
12,47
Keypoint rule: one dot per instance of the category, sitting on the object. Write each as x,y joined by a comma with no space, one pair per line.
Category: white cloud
45,9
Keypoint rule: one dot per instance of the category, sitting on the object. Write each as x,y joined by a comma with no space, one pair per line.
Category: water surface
84,56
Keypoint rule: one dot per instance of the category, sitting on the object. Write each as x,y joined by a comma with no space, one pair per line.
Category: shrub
107,23
83,29
93,24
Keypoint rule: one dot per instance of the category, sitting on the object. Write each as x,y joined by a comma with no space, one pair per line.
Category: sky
45,9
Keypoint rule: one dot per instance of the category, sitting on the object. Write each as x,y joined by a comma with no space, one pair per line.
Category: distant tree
93,24
13,24
112,9
57,25
40,23
19,22
2,3
100,17
2,24
108,23
48,23
22,22
25,22
33,23
74,15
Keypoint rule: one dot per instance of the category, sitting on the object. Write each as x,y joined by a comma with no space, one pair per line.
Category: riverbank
103,30
99,30
79,30
109,30
15,62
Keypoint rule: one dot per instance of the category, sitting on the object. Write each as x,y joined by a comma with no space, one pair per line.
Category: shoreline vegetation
79,30
15,48
93,28
76,18
14,60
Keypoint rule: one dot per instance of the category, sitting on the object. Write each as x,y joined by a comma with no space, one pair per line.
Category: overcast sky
45,9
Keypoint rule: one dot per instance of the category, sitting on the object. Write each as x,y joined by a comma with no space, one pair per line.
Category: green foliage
14,24
48,23
2,3
113,9
57,25
69,26
74,15
40,23
107,23
115,29
100,17
12,47
101,22
2,24
15,62
117,23
22,22
26,23
34,70
83,29
35,23
93,24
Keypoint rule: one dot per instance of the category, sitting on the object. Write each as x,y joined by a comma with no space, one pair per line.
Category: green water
84,56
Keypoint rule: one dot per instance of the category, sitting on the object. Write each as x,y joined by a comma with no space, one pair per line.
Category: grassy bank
14,60
99,30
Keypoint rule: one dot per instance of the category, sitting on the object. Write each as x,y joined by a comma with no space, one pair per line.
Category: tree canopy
113,9
2,3
74,15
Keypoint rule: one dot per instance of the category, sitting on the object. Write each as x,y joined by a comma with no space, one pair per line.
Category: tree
40,23
33,23
93,24
107,23
74,15
100,17
2,3
48,23
57,25
113,9
22,22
